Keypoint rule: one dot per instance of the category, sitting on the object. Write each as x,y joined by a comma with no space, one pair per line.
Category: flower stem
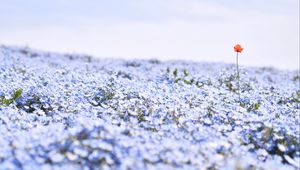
238,75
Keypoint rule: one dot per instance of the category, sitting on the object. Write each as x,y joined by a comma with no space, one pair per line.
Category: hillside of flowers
72,111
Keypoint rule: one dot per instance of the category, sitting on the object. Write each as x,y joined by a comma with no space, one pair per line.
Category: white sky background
195,30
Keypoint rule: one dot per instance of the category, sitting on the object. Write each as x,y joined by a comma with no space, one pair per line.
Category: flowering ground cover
69,111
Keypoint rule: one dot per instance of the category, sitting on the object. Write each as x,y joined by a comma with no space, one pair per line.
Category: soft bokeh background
165,29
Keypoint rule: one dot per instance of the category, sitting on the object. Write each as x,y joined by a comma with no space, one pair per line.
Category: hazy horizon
166,30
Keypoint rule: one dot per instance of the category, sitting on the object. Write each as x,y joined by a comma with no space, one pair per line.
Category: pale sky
195,30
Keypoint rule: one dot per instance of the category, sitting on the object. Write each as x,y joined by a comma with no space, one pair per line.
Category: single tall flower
238,49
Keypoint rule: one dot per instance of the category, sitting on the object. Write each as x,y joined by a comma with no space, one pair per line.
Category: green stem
238,75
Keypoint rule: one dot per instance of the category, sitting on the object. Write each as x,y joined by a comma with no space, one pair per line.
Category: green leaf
168,70
298,94
6,102
175,72
177,80
199,85
256,106
17,94
186,72
187,82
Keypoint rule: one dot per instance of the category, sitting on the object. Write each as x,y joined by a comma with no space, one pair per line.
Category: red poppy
238,48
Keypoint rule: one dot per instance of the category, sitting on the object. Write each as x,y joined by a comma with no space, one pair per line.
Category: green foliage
6,102
175,72
141,117
251,107
183,77
168,70
16,95
199,84
228,81
102,97
187,82
153,129
230,87
294,98
269,140
103,94
34,102
177,80
296,78
256,106
186,72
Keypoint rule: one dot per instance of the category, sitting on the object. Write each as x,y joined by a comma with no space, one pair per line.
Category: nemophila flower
68,114
238,49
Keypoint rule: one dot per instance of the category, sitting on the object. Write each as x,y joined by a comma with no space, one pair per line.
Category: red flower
238,48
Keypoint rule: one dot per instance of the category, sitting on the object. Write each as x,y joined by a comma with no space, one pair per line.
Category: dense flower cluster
70,111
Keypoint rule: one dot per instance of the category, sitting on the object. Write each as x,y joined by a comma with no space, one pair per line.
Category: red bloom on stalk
238,48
